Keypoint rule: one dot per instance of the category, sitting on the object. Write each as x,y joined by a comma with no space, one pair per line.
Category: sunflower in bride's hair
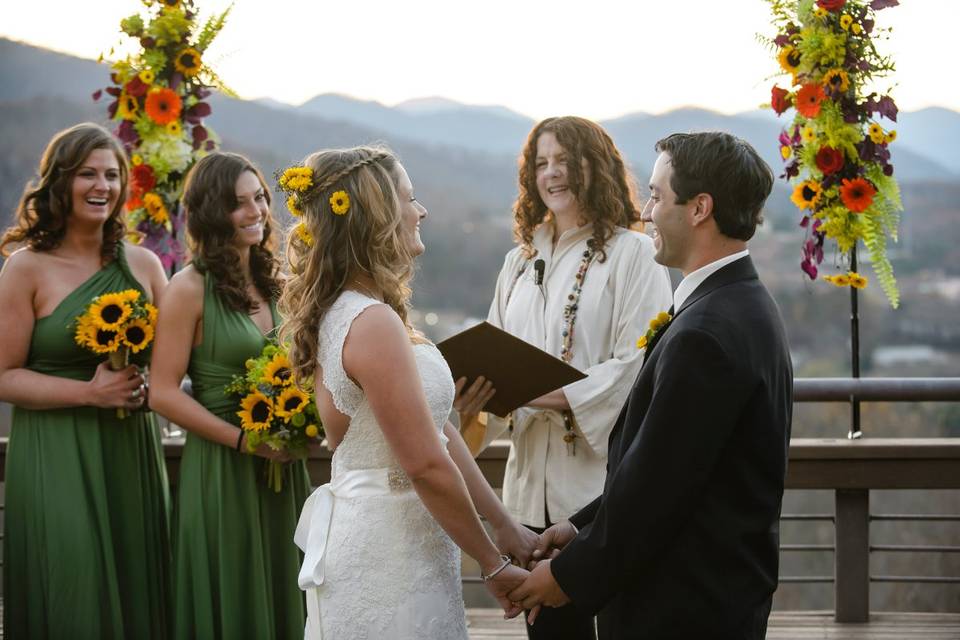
116,324
275,412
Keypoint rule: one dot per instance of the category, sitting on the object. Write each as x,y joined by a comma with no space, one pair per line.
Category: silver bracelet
493,574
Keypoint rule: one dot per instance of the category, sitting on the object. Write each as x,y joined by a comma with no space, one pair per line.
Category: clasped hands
517,589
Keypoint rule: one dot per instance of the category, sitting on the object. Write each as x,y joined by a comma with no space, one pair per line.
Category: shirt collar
689,284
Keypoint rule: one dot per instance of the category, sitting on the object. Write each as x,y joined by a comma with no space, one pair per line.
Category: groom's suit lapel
736,271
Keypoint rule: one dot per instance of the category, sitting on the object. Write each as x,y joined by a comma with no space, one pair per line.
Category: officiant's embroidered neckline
658,324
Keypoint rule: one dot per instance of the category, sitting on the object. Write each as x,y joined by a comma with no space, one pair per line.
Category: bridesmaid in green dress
235,564
86,543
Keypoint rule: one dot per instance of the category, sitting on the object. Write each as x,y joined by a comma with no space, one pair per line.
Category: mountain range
462,158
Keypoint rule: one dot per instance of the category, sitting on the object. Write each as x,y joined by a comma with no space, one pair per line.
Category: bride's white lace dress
376,563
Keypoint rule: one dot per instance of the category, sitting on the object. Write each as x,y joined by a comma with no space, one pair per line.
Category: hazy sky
595,58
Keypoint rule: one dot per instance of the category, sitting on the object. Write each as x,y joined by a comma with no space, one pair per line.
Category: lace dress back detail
390,571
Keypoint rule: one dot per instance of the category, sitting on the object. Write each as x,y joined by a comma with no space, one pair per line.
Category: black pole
854,351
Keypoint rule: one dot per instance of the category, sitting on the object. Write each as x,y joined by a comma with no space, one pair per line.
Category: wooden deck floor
488,624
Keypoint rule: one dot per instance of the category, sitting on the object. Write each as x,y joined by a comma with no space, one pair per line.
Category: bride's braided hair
326,249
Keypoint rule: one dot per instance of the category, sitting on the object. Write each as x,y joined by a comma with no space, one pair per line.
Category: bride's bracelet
503,565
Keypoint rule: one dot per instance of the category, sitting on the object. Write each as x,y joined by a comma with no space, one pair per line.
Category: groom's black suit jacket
683,543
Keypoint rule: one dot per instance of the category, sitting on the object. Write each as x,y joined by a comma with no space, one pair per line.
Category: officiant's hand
515,540
552,540
539,589
509,579
470,402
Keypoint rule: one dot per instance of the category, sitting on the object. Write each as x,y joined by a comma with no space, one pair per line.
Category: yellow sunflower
130,295
109,311
297,179
136,159
155,208
807,134
127,107
256,412
174,128
290,402
278,371
312,431
820,13
304,234
836,79
876,133
340,203
845,21
806,194
137,334
789,58
857,281
85,329
293,206
147,76
151,313
855,28
96,339
891,135
188,62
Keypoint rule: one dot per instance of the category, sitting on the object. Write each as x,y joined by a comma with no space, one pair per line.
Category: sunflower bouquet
116,324
274,411
159,103
835,150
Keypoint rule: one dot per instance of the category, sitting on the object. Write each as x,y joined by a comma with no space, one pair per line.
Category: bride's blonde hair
332,247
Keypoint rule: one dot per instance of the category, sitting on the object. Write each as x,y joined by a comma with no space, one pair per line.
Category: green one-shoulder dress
235,562
86,541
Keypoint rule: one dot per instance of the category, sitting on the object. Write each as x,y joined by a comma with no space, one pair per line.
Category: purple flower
887,108
197,112
876,5
127,133
97,94
805,222
888,170
782,40
809,268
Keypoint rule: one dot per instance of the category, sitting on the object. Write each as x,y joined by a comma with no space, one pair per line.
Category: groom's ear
703,211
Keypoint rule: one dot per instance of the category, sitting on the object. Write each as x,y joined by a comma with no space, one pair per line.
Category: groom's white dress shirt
618,299
689,284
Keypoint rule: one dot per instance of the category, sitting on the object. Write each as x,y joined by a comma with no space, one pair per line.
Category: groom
683,543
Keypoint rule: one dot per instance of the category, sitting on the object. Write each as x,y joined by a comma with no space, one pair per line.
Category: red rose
831,5
779,99
829,160
143,178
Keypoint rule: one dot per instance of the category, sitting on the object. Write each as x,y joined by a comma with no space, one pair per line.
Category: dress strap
333,331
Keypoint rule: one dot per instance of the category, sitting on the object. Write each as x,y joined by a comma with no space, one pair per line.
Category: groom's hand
552,540
539,588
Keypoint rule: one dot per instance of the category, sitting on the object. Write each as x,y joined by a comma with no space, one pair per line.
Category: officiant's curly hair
610,200
367,239
210,197
41,218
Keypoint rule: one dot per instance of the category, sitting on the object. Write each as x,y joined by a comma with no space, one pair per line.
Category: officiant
582,285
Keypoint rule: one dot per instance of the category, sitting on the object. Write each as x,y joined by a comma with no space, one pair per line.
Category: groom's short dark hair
727,168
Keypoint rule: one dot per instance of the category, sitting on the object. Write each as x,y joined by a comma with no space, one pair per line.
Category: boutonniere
657,325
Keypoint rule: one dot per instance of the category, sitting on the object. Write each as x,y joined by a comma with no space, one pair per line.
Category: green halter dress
235,563
86,540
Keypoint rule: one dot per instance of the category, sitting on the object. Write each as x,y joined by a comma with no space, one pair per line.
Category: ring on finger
136,392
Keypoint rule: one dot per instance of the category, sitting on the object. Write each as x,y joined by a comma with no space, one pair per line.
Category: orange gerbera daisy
163,105
808,100
857,194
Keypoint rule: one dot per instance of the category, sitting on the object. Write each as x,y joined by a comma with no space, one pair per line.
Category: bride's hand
516,541
471,401
503,583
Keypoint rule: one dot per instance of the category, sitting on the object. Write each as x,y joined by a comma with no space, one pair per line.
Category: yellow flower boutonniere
658,324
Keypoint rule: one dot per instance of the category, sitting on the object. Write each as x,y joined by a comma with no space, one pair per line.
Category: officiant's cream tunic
618,299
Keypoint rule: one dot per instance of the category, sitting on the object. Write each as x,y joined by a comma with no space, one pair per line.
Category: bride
382,540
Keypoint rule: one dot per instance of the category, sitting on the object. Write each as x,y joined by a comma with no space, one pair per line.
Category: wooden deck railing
848,468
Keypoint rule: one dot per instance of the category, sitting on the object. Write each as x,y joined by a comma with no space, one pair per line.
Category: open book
520,372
